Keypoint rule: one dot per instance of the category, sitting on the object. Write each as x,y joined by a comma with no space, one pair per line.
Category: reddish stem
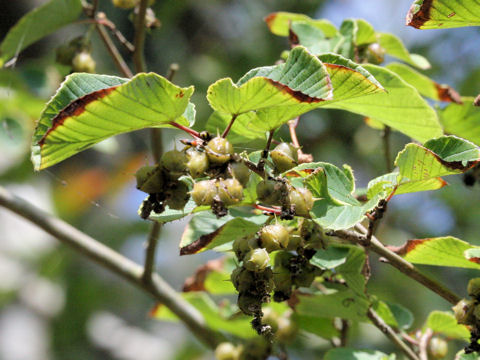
292,126
227,130
268,209
192,132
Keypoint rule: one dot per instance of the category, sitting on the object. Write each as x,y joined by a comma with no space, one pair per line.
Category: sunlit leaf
425,86
441,251
420,167
279,23
279,93
445,323
393,46
442,14
462,120
323,327
99,107
37,24
400,107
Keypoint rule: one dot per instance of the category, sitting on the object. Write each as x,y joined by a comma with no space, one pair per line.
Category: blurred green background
54,304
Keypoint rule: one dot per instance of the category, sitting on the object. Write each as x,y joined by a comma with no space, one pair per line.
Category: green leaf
350,354
403,316
275,94
239,325
401,107
205,232
279,23
351,270
336,207
393,46
344,304
311,37
425,86
442,251
170,215
443,14
37,24
420,167
88,109
445,323
382,310
462,120
322,327
330,258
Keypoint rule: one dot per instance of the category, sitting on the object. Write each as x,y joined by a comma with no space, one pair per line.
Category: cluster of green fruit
77,55
467,312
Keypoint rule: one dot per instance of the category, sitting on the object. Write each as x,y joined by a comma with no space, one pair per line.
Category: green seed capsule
274,237
375,54
463,311
473,288
270,192
240,171
149,179
203,192
83,62
197,163
174,163
256,260
302,199
249,304
226,351
179,196
438,348
230,191
219,150
284,157
242,246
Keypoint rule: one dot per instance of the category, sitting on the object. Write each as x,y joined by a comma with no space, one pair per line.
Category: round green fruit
230,191
463,312
83,62
284,156
274,237
197,163
256,260
203,192
438,348
473,288
174,163
226,351
219,150
270,192
179,196
149,179
302,199
242,246
240,171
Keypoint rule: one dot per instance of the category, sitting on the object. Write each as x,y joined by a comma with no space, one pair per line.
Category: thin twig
386,147
114,53
139,39
344,332
115,262
102,19
148,267
229,126
388,331
423,345
397,262
292,127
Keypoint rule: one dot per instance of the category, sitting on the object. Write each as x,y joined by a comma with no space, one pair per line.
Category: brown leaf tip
476,102
409,246
200,243
419,13
270,18
475,260
75,108
298,95
448,94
